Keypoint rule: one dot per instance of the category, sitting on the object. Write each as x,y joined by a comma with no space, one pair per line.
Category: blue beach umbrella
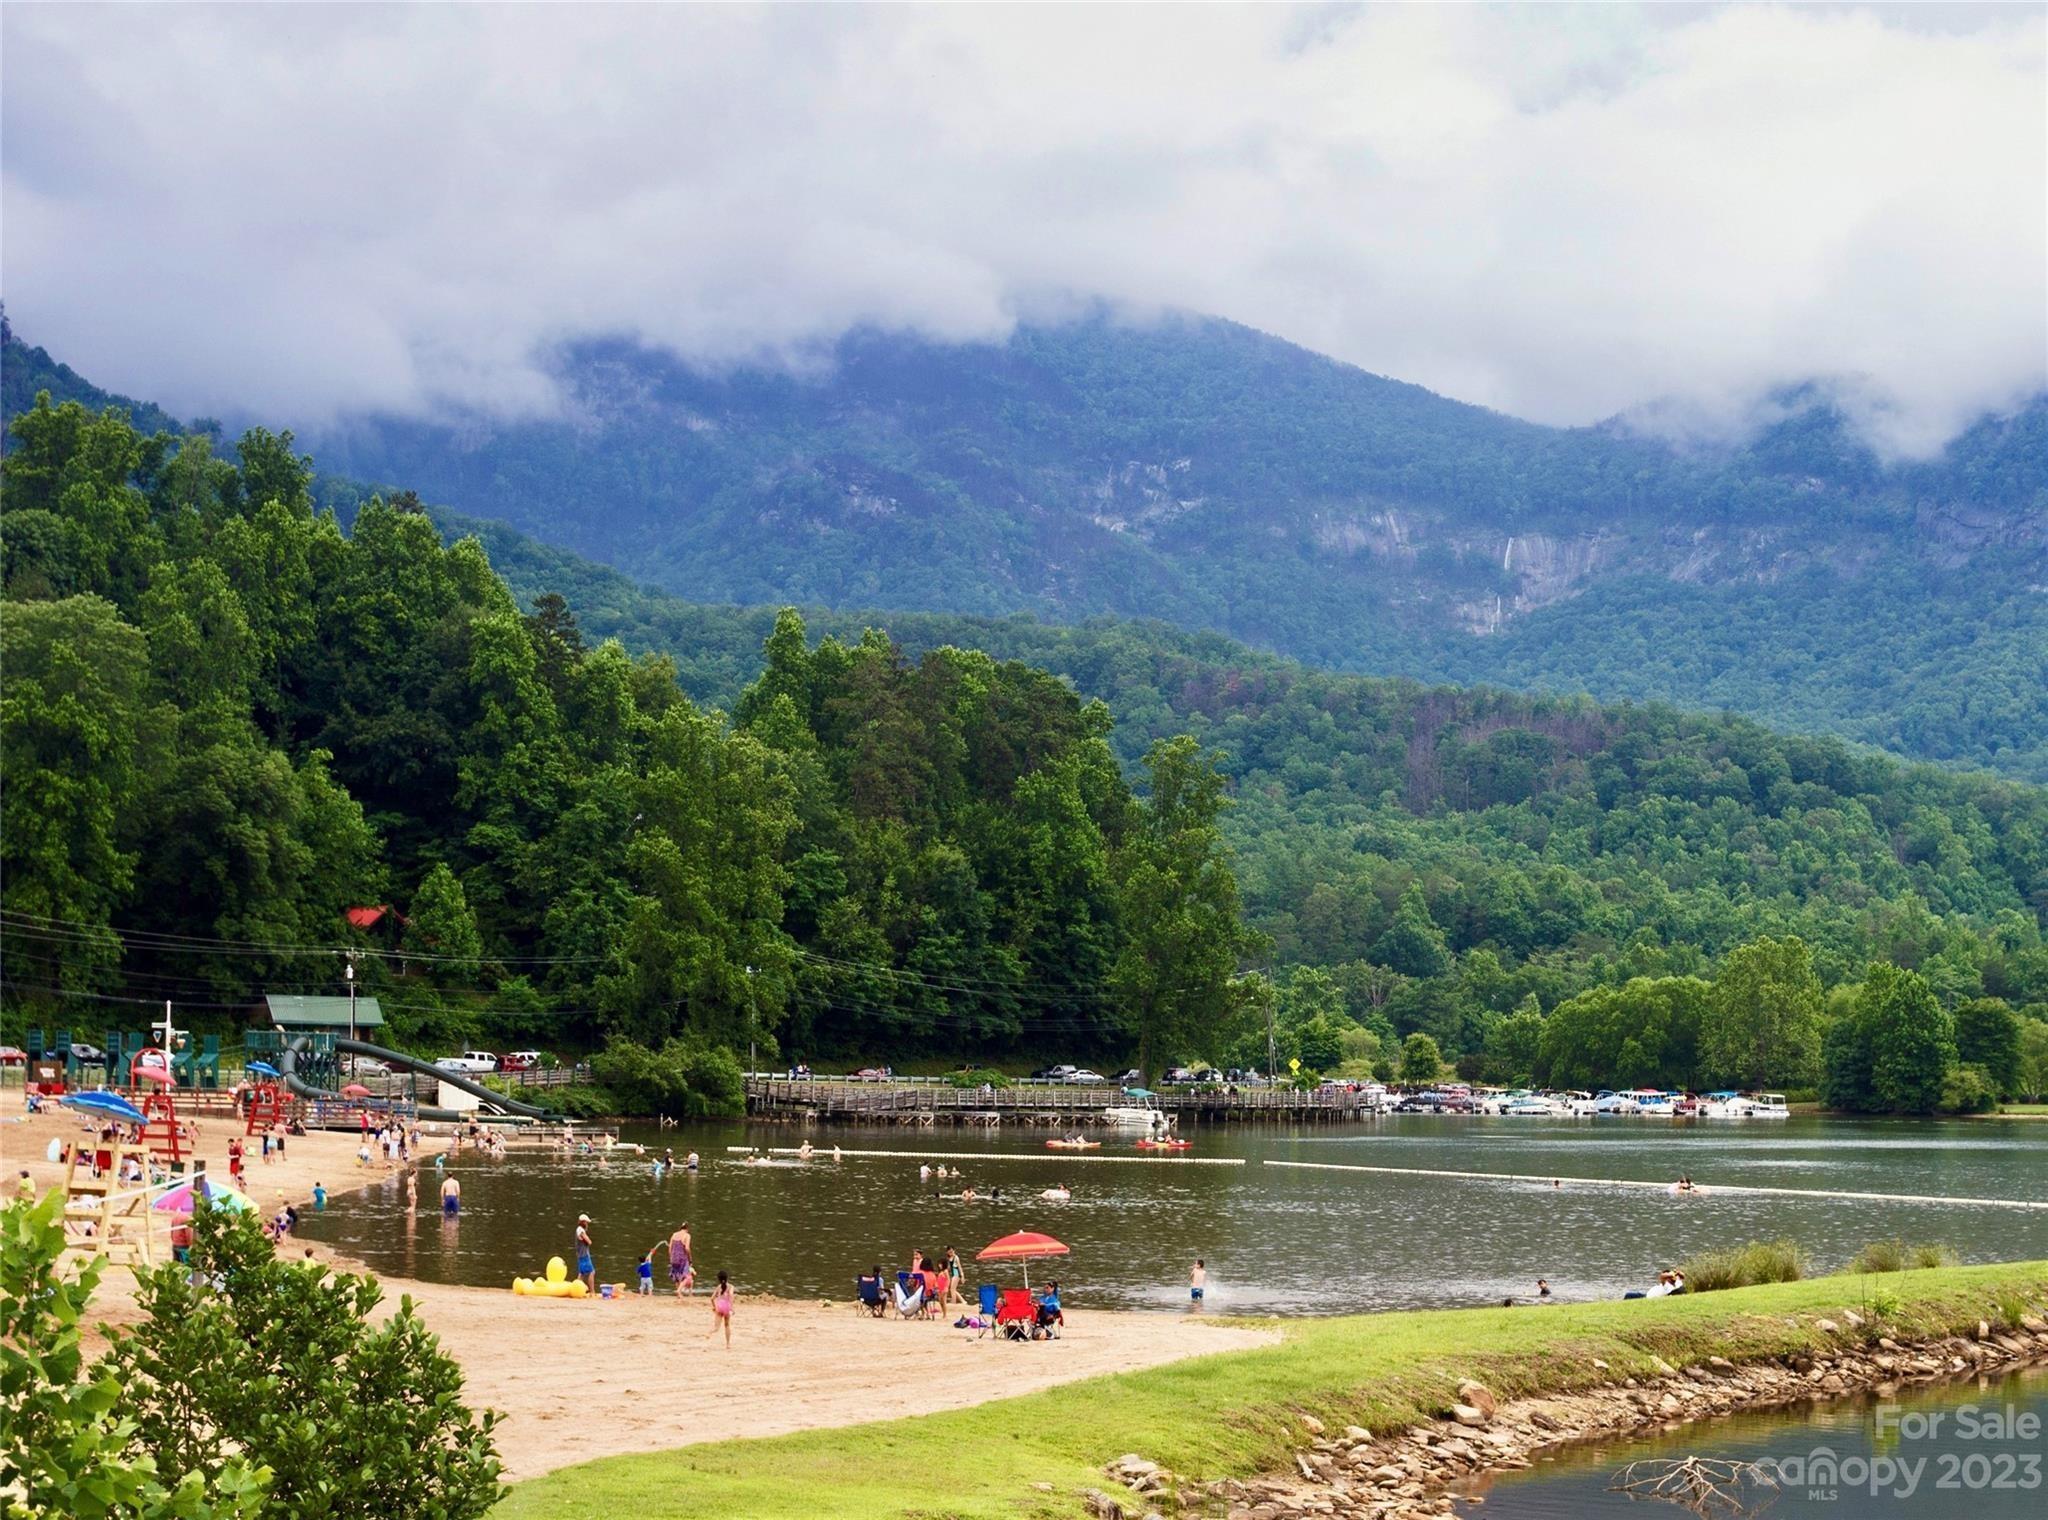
103,1102
261,1068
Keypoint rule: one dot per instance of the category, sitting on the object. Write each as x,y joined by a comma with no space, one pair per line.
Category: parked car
1060,1073
1209,1074
1180,1074
1131,1078
523,1060
13,1055
1085,1077
873,1074
91,1055
471,1063
367,1066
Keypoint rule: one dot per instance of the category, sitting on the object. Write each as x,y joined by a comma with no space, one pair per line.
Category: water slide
288,1058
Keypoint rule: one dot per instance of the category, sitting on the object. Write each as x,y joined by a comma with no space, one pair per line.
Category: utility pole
349,971
752,1019
1272,1047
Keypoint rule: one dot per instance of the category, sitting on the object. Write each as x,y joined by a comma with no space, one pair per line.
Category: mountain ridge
1195,473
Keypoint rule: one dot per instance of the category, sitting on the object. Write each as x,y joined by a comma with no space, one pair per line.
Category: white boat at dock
1127,1117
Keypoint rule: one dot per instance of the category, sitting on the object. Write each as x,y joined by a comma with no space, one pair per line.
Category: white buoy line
820,1153
1703,1190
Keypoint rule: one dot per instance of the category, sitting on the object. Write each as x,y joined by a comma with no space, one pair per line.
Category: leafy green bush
1968,1089
281,1361
1744,1266
1898,1256
70,1444
685,1078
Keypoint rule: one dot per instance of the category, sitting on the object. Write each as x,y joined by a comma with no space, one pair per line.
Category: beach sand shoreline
574,1380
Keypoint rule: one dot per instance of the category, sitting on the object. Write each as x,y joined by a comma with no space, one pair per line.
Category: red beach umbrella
1024,1246
355,1090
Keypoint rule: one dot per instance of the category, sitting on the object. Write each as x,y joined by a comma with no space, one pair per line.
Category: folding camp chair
1016,1314
868,1295
910,1300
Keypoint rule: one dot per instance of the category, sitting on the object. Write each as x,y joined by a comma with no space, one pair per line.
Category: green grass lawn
1234,1413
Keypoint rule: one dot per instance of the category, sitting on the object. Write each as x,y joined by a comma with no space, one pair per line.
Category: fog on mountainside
1215,478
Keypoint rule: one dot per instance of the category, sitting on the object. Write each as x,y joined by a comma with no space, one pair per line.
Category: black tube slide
287,1064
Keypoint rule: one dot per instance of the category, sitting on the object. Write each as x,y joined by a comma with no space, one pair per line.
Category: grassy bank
1234,1414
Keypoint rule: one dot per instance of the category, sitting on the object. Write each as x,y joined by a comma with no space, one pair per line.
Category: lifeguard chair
268,1105
102,1214
152,1080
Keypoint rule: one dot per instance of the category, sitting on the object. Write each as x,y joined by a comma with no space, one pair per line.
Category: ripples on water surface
1276,1240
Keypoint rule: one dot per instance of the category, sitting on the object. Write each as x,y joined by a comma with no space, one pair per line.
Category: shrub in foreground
285,1363
1744,1266
1898,1256
68,1445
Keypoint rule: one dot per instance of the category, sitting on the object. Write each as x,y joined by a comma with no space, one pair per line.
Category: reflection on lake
1276,1241
1971,1449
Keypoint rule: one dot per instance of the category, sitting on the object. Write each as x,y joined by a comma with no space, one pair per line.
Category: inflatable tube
534,1289
1166,1145
1073,1145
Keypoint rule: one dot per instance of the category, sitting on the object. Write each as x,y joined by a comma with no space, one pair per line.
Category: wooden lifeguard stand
268,1106
151,1076
103,1214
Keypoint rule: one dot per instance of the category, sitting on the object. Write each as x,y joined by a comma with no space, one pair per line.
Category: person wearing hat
584,1267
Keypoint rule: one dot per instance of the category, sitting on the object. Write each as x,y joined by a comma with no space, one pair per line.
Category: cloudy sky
1565,213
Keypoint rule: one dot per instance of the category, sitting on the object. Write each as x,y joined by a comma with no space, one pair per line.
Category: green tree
1179,907
78,744
286,1364
71,1444
1763,1025
2033,1078
1513,1043
1421,1061
1413,944
1893,1050
1320,1043
442,930
1988,1036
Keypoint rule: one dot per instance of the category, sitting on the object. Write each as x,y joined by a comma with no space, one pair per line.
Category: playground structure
194,1068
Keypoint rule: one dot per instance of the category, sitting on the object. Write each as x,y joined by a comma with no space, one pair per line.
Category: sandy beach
575,1380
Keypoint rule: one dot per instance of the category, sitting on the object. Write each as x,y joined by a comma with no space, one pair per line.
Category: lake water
1276,1240
1973,1449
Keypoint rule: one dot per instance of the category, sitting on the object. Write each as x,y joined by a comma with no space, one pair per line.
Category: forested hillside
225,722
915,848
1209,476
1633,835
1539,888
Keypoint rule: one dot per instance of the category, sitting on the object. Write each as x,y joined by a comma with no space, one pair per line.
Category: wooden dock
927,1104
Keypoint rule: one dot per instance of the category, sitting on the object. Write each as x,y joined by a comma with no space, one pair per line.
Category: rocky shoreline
1357,1474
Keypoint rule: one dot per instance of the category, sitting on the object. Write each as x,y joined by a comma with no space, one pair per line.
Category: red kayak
1166,1145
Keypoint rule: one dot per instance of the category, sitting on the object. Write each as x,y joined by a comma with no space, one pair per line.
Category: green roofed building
297,1014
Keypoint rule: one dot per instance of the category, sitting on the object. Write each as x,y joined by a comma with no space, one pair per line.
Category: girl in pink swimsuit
721,1309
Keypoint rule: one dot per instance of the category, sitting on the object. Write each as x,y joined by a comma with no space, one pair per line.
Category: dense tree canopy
227,722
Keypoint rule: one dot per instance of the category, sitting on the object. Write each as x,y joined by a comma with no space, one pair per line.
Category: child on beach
721,1309
1198,1280
647,1272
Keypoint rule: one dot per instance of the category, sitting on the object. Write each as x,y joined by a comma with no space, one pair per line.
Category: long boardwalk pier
1052,1105
1704,1191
